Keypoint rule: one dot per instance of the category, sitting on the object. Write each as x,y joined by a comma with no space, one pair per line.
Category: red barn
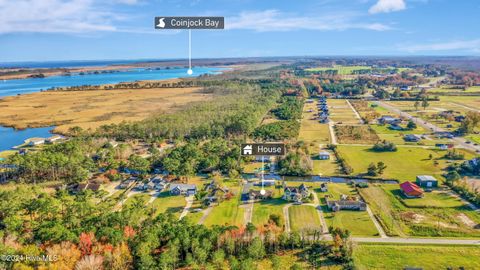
411,190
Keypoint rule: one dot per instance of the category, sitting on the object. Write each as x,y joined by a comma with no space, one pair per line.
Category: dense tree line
86,232
277,131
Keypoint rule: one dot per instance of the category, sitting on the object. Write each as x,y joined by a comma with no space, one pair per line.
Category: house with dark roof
411,190
256,195
411,138
296,194
183,189
427,181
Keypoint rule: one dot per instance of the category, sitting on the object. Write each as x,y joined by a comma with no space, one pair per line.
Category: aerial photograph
239,134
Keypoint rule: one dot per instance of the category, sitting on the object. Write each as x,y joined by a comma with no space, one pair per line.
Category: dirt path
286,217
248,213
316,202
332,133
206,213
355,111
185,211
375,222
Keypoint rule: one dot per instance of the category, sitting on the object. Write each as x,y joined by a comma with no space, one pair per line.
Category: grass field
166,203
263,209
438,215
428,257
5,154
227,212
303,217
340,111
403,165
357,222
91,109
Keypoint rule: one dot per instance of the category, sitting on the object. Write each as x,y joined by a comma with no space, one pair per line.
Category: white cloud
385,6
55,16
464,45
273,20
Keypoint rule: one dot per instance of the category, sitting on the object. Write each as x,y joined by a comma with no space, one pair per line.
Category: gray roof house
345,203
183,189
427,181
297,194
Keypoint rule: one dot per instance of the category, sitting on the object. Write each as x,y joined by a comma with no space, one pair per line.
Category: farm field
436,215
429,257
357,222
303,217
403,165
227,212
91,109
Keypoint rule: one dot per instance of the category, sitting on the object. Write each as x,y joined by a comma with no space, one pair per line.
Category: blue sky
38,30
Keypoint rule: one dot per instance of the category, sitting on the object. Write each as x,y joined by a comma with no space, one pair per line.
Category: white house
36,141
324,155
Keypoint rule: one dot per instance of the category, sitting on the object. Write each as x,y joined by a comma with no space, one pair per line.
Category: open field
341,112
91,109
379,256
403,165
435,215
316,135
227,212
303,217
263,209
357,222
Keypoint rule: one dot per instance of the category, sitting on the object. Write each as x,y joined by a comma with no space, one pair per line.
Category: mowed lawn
379,256
303,217
357,222
166,203
263,209
227,212
403,165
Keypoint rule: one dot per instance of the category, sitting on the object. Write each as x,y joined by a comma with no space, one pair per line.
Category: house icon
247,149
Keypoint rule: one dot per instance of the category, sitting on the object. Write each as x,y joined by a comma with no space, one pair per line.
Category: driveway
185,211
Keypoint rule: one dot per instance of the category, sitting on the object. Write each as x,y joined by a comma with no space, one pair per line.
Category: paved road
459,140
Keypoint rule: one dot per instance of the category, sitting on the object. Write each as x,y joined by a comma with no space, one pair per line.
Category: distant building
54,138
323,187
183,189
411,138
411,190
427,181
324,155
387,119
36,141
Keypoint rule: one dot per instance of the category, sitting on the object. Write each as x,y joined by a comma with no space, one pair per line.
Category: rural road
248,213
418,241
461,141
332,133
286,217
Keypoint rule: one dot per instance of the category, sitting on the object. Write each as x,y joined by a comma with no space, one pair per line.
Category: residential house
459,118
411,190
296,194
323,187
387,119
411,138
256,195
125,184
427,181
183,189
346,203
324,155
